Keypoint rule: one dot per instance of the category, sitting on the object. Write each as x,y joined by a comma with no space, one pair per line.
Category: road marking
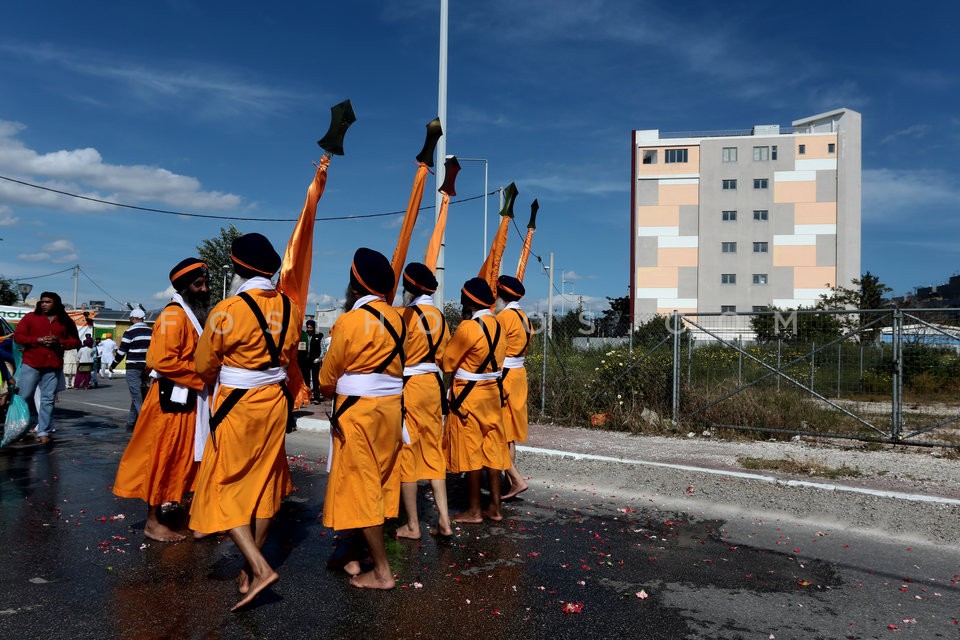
103,406
823,486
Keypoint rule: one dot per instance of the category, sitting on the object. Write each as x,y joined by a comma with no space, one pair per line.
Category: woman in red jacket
44,335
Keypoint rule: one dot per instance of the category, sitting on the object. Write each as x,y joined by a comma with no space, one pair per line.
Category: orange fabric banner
436,239
294,281
490,270
406,231
524,254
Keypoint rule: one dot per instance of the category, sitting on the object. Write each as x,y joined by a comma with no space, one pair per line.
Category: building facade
744,220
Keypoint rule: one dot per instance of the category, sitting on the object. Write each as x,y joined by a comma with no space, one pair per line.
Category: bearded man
162,458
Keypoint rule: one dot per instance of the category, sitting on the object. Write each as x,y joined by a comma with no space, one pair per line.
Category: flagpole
441,144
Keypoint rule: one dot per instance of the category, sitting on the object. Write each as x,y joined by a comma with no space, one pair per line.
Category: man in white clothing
108,349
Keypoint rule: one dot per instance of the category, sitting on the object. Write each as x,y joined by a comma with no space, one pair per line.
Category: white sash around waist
376,385
250,379
513,362
423,367
476,377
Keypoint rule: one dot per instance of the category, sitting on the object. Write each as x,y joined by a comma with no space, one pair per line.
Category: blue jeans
135,386
47,379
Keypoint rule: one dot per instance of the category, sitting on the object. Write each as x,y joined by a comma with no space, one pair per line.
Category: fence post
839,355
676,368
739,360
813,365
543,372
689,358
896,411
779,343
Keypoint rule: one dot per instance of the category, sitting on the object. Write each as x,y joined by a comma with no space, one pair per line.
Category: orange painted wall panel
816,146
658,277
784,192
815,213
794,256
679,194
677,257
814,277
658,215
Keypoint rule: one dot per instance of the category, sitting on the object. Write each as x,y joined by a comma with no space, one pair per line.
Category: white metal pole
550,301
442,143
76,284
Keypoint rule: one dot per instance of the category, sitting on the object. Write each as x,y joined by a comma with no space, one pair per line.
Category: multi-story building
744,220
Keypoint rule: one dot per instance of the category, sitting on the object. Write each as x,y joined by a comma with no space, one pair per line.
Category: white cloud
83,172
34,257
894,195
164,295
7,219
913,131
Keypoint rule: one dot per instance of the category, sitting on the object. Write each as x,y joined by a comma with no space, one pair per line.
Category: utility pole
441,143
76,284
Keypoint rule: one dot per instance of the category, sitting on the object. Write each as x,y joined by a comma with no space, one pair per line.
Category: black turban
186,271
371,272
253,255
510,288
417,278
476,293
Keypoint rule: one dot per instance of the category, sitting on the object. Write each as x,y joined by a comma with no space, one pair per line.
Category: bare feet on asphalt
370,580
515,490
256,586
408,532
468,517
161,533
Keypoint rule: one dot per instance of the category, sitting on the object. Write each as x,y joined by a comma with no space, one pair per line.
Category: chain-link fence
886,375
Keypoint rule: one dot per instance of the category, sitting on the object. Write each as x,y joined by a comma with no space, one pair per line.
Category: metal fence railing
888,375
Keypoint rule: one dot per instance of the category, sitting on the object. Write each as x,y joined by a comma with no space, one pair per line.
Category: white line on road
104,406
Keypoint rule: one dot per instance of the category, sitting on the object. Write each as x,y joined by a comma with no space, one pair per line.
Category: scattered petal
643,595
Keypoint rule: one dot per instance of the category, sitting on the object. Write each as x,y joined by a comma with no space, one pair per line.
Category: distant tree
866,293
216,253
802,327
9,294
615,321
453,315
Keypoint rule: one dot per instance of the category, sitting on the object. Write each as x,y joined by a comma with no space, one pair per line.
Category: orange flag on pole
294,281
528,241
406,230
490,270
451,167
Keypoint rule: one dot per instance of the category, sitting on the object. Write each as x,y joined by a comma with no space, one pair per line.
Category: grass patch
798,467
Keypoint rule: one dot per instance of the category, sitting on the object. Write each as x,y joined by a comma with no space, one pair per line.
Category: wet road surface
566,562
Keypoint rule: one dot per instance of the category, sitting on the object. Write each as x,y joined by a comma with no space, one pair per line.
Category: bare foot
243,582
468,517
258,585
370,580
515,490
406,531
161,533
443,530
493,514
352,568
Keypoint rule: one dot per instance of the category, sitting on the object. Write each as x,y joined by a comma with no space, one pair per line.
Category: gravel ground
909,492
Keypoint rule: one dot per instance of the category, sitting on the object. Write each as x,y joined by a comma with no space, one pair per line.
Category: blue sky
215,108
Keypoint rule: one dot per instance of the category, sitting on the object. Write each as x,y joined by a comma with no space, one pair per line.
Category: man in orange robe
516,331
474,437
249,341
423,400
161,460
363,372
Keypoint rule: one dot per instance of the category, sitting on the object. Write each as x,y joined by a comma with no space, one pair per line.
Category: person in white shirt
107,348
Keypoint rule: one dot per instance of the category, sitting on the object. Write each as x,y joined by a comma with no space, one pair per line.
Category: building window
650,156
831,148
729,154
761,154
729,216
773,152
728,278
759,278
759,308
761,214
729,185
728,247
760,247
760,183
728,308
802,150
673,156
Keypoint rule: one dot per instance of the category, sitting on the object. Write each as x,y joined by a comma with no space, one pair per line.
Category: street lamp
563,290
25,289
226,272
486,166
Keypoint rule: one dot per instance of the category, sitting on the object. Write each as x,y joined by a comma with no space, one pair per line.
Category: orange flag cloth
436,239
524,254
490,270
406,231
294,281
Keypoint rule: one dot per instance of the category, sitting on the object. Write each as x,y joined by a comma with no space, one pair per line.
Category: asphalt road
570,560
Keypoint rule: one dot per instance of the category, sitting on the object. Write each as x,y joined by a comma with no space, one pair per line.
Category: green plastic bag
18,420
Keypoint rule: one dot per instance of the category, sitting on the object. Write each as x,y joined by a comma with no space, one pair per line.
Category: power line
211,216
46,275
99,287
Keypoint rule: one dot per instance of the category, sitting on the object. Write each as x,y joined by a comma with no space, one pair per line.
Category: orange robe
158,464
475,439
364,484
423,458
246,475
516,327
